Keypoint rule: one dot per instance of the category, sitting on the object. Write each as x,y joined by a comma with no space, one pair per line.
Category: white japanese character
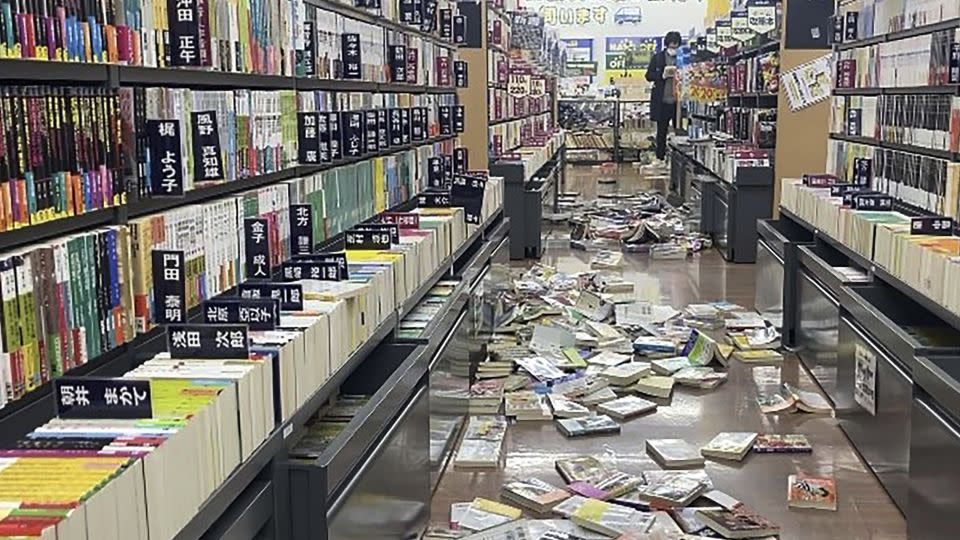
110,395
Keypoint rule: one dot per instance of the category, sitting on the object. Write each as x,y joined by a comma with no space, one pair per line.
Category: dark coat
655,75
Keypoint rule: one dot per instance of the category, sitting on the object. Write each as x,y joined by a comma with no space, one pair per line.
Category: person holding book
662,72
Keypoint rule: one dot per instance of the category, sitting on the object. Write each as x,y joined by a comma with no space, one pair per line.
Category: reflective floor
864,510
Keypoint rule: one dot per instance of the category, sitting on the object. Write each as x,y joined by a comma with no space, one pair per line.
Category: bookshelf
246,500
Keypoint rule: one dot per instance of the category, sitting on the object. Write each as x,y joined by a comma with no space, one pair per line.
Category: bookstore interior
426,269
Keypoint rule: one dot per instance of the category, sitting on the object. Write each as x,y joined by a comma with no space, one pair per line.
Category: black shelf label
459,29
256,238
301,229
336,136
367,239
417,12
445,120
853,122
166,158
413,65
404,220
323,130
207,156
955,63
395,127
459,118
416,124
256,313
467,191
350,53
96,398
872,202
184,23
819,180
862,171
340,259
352,127
837,29
406,11
852,191
383,139
296,270
290,295
429,19
308,56
850,26
434,199
436,179
461,160
460,73
370,137
405,125
208,341
169,286
390,228
931,226
446,24
447,169
398,63
308,138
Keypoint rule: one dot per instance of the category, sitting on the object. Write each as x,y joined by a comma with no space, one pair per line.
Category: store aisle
864,509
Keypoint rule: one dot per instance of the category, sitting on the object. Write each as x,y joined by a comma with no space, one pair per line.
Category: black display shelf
949,24
769,46
199,78
33,234
705,117
940,154
516,118
879,273
362,15
497,47
918,90
33,71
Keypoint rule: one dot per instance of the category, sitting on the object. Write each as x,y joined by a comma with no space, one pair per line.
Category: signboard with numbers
301,229
302,269
256,313
931,225
102,398
519,83
208,341
169,286
166,172
256,236
339,258
207,156
290,295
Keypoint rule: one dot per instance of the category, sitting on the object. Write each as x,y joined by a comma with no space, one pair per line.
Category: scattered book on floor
570,358
602,395
607,359
611,519
580,469
534,494
762,356
810,402
484,513
669,366
505,531
565,408
526,405
775,403
612,485
645,345
588,425
626,407
733,445
457,511
674,453
626,374
774,443
722,499
739,523
689,519
675,489
654,385
811,492
699,377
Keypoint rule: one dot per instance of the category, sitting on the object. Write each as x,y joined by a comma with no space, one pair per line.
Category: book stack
588,425
534,495
611,519
527,405
674,453
673,489
482,442
627,407
485,396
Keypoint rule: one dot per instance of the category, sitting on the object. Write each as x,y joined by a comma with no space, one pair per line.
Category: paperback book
782,444
674,453
730,445
811,492
589,425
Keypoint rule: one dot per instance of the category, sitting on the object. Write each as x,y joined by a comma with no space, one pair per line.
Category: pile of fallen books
482,442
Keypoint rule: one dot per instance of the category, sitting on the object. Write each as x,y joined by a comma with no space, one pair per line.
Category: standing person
662,73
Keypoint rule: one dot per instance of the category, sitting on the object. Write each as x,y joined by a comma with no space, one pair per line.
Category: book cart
874,323
262,494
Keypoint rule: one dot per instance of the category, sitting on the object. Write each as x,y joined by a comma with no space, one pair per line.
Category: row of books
235,402
755,74
505,105
56,294
275,37
757,126
923,181
929,263
60,155
862,19
927,121
507,137
917,61
726,159
498,68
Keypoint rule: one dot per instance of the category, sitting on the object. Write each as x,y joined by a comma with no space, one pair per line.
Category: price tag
208,341
256,313
169,286
290,295
931,225
95,398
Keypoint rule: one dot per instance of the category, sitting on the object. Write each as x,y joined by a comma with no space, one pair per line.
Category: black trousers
663,124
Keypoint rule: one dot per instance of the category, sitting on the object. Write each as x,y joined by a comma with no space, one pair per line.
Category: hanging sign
762,15
725,34
519,83
712,45
740,26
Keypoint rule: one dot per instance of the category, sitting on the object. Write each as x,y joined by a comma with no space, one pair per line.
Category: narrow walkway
864,509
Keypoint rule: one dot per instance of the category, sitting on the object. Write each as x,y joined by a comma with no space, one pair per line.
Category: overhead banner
629,57
762,15
725,34
740,26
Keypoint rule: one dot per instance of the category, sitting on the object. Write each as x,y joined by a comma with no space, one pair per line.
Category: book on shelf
730,445
770,443
674,453
811,492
